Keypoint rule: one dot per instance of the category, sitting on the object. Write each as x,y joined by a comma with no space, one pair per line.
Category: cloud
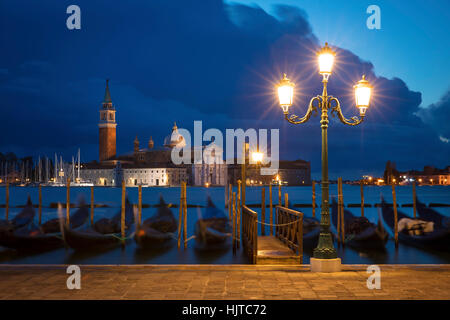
208,61
437,115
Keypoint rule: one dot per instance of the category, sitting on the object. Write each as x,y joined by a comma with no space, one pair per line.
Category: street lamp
324,102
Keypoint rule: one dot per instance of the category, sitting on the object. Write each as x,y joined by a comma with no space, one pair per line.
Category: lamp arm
353,121
294,119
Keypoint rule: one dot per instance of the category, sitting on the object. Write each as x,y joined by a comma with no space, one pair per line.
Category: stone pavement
223,282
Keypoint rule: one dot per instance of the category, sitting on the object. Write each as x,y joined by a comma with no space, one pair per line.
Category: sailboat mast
79,160
73,169
39,168
46,169
56,167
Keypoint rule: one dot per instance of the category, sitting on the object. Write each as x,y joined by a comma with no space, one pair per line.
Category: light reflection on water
131,254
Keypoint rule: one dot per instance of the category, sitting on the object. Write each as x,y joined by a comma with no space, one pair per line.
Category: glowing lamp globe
257,157
326,59
285,93
363,91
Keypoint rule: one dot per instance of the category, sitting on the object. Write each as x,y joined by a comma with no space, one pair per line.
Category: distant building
107,128
293,173
430,176
151,166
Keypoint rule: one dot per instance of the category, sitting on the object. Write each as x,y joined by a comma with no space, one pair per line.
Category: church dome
175,139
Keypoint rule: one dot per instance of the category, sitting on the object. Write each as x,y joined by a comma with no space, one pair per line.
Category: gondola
430,214
438,238
157,230
91,239
360,233
213,229
31,238
106,226
76,220
22,219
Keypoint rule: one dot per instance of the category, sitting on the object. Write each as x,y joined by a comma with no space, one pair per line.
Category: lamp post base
325,265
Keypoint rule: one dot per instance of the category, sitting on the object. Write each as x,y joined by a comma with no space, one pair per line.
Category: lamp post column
325,248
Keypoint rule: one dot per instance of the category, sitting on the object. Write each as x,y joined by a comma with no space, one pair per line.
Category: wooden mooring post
140,204
362,198
314,199
92,206
263,211
180,215
414,199
394,203
7,200
122,216
230,191
279,195
233,204
271,209
185,216
238,218
40,204
68,203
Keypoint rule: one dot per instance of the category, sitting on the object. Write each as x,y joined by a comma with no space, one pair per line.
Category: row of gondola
430,230
212,230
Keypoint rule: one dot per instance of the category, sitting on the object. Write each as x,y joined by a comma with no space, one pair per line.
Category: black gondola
106,226
429,214
439,238
31,238
22,219
158,229
76,220
360,233
91,239
213,229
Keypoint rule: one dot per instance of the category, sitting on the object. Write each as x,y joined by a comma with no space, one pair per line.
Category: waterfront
197,195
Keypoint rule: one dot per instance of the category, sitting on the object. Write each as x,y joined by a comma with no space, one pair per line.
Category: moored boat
213,229
429,214
422,233
107,234
23,218
158,229
360,233
32,238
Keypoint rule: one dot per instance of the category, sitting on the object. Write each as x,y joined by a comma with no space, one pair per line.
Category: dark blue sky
206,60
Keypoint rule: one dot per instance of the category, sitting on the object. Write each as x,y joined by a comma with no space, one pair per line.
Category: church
151,165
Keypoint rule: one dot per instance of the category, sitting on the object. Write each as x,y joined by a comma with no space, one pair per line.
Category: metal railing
250,233
289,229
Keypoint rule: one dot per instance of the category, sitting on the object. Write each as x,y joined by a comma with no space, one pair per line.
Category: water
197,195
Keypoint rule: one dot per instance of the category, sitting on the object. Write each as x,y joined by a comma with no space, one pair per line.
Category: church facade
149,166
152,166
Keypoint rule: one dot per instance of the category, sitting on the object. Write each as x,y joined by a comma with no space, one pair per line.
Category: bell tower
107,128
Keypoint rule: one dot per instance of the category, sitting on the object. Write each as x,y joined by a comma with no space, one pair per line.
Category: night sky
180,60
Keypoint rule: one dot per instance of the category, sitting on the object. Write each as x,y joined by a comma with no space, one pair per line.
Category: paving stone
223,282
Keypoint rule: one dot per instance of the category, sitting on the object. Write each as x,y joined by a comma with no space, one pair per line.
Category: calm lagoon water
197,195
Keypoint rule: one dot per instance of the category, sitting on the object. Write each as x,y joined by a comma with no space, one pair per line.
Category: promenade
240,282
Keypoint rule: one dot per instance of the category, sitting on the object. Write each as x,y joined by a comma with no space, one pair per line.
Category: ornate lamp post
325,249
